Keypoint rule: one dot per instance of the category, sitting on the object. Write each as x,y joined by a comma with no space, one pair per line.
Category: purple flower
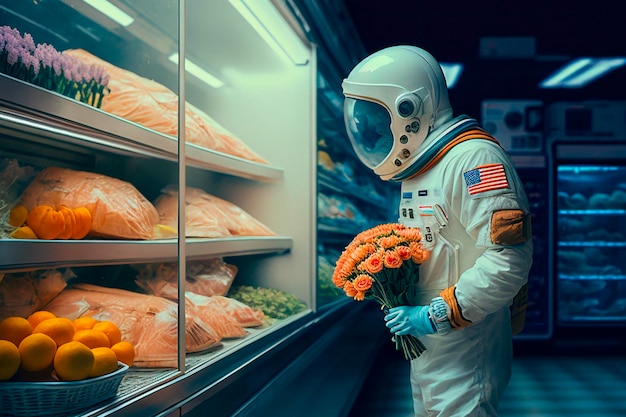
29,43
24,56
78,75
12,55
43,65
56,65
45,53
35,65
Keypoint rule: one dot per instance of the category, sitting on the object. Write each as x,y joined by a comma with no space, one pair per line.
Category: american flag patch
486,178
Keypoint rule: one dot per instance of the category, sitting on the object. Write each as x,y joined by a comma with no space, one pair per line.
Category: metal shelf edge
24,254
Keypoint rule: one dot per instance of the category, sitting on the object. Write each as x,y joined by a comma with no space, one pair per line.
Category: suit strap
465,136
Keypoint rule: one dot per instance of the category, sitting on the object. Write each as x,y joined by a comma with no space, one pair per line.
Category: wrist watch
438,312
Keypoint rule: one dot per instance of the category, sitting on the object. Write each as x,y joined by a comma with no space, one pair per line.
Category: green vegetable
326,290
275,304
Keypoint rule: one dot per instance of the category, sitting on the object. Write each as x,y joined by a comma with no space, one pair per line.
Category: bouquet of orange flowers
382,263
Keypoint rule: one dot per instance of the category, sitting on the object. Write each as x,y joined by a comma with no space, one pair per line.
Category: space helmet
393,99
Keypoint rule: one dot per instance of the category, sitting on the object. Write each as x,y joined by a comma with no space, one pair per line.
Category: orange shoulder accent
470,134
457,321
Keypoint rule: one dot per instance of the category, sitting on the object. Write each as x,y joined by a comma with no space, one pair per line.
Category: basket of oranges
53,365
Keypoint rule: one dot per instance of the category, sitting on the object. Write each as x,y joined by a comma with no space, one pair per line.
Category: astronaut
461,189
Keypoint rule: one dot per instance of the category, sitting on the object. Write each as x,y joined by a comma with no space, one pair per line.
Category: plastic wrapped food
216,305
208,216
117,208
206,277
13,179
154,106
150,323
24,293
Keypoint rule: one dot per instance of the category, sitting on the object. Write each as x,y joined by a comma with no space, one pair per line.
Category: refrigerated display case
351,198
588,205
266,100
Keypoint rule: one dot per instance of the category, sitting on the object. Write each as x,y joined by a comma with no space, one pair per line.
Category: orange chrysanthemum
411,234
374,232
388,242
362,251
359,296
339,279
404,252
418,253
349,265
392,259
349,289
373,264
341,260
362,282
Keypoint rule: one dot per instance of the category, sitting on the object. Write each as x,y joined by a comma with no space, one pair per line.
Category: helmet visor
368,125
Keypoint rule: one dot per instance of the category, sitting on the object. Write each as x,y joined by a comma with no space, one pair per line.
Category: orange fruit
73,361
104,362
23,232
45,221
9,360
82,225
70,222
84,322
60,329
38,316
110,329
92,338
37,352
124,351
15,329
18,215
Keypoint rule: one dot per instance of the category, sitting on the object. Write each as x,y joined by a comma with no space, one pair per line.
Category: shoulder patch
510,227
485,178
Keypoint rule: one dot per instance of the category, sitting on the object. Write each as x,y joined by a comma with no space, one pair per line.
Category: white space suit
461,189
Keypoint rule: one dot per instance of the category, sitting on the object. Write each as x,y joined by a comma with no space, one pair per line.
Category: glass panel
248,183
591,248
88,121
247,150
351,198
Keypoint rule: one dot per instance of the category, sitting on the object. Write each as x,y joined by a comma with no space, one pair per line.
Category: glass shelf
582,277
588,212
588,244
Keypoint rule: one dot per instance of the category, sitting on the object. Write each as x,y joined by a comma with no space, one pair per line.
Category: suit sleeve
488,197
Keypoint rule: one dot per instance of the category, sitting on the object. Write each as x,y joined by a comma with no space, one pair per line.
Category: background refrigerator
588,239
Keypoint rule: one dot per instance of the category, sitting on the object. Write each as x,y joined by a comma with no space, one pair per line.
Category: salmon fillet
150,323
208,216
117,208
243,315
206,277
224,324
154,106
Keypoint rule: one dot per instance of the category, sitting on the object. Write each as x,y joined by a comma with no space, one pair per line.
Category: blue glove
408,320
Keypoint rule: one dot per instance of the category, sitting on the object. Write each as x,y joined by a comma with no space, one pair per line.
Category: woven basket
31,399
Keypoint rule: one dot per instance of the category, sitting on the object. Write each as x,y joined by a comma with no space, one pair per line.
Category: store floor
555,386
